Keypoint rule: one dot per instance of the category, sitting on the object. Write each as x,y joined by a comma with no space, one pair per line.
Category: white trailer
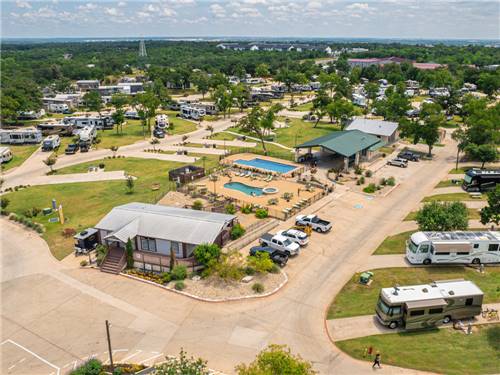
161,121
51,142
192,113
5,154
20,136
454,247
58,108
104,122
87,134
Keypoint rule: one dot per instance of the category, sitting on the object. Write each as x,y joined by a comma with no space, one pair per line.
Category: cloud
167,12
23,4
121,4
113,12
87,7
218,11
358,6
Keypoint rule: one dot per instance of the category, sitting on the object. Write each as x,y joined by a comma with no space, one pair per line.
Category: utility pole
109,348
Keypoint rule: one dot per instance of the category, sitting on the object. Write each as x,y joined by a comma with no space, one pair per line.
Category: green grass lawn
394,244
19,154
462,170
303,107
445,351
451,197
85,204
473,215
355,299
300,131
446,183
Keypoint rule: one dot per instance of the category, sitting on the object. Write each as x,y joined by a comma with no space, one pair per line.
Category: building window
476,246
175,246
468,301
148,244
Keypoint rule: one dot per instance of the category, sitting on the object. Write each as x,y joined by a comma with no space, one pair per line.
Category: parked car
402,163
314,222
280,243
409,155
158,133
84,147
277,256
295,235
72,149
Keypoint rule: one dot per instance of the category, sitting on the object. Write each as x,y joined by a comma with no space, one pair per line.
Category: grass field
303,107
355,299
446,183
394,244
19,154
451,197
300,131
473,215
86,203
462,170
443,351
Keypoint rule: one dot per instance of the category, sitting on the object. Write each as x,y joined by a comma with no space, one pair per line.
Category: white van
51,142
5,154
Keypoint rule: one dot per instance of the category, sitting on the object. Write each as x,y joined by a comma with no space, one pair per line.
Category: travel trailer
161,121
209,108
428,305
454,247
87,135
480,179
5,154
192,113
51,142
20,136
58,108
133,115
103,122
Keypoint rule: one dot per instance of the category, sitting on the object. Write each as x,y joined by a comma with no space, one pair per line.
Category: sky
445,19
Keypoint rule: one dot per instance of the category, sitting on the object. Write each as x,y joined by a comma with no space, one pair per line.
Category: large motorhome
20,136
161,121
103,122
453,247
192,113
428,305
87,135
51,142
480,179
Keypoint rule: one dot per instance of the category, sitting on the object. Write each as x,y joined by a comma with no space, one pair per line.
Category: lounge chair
248,174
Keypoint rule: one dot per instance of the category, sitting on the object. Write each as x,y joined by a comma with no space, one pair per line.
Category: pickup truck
295,235
281,243
402,163
314,222
72,149
408,155
277,256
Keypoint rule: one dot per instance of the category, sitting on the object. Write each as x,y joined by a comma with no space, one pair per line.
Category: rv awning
426,303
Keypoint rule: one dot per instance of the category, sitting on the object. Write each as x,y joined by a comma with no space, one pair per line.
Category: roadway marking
132,355
58,370
114,352
150,358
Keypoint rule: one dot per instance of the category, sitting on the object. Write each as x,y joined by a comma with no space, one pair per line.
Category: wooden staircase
114,261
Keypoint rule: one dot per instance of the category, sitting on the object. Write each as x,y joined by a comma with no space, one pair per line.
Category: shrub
179,272
258,288
91,367
83,263
391,181
261,262
165,278
197,205
102,165
370,189
230,209
383,181
4,202
228,266
250,271
246,209
274,269
261,213
368,173
358,170
179,285
360,181
272,201
206,253
35,211
101,252
237,231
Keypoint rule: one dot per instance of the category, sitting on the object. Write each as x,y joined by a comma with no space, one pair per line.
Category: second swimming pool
247,189
267,165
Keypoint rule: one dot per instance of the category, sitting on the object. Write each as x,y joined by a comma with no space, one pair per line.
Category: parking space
18,359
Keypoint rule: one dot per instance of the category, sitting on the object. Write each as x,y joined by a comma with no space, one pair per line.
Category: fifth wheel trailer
471,247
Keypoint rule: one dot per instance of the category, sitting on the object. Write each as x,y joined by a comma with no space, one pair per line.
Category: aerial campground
251,187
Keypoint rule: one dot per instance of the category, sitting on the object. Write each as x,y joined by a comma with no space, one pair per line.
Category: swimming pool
247,189
267,165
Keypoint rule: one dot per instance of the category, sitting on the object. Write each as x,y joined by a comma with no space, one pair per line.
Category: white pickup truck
314,222
280,242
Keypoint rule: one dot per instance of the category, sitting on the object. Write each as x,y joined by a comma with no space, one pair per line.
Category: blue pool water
267,164
248,190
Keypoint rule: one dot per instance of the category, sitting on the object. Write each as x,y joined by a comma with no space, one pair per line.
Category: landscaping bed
473,215
356,299
439,350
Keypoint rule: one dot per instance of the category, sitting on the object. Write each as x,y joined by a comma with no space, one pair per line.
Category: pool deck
281,184
230,160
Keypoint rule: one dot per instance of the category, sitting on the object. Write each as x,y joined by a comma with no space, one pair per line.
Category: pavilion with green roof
354,145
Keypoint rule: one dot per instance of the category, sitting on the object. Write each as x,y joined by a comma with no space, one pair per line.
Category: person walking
376,362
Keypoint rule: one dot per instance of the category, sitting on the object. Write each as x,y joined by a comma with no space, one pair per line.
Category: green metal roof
346,143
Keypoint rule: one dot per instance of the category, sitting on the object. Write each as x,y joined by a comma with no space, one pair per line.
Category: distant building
428,66
87,84
375,61
386,131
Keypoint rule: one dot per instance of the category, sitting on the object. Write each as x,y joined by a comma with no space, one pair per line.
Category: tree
289,79
206,254
489,83
182,365
262,70
328,81
202,82
4,203
223,99
211,129
240,94
340,110
260,122
161,93
93,101
119,118
274,360
486,153
491,213
460,136
129,249
319,105
130,183
442,216
50,162
427,129
149,104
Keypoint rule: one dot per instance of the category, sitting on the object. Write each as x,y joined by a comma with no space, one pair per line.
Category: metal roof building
385,130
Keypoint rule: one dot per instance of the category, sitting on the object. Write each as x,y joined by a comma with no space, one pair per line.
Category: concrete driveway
53,315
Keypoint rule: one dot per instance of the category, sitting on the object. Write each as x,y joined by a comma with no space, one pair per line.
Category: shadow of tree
493,337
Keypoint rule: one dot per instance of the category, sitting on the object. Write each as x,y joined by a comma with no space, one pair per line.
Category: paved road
62,312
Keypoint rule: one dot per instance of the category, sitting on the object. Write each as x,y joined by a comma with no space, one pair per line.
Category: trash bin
365,277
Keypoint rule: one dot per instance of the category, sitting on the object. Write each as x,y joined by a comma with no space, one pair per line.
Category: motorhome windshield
383,306
467,179
412,246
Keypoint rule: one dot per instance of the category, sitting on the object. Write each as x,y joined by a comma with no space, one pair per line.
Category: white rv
20,136
161,121
51,142
87,134
103,122
454,247
428,305
359,100
192,113
5,154
209,108
58,108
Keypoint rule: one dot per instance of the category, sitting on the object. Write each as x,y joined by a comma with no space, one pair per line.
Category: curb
211,300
